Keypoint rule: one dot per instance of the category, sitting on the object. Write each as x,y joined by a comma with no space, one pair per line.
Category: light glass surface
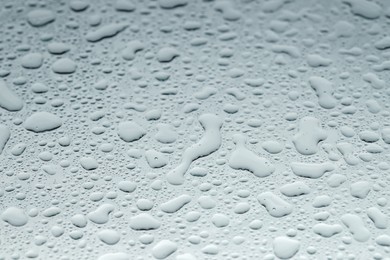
181,129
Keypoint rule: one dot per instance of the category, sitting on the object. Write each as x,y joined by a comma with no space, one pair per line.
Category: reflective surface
179,129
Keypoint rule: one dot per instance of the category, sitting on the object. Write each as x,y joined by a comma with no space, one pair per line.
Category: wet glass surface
179,129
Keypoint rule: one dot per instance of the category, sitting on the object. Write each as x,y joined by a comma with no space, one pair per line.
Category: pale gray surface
211,130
